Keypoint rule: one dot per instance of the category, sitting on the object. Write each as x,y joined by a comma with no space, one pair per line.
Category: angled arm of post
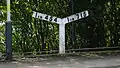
47,17
65,20
75,17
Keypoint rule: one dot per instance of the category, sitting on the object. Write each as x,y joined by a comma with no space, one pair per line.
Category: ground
65,62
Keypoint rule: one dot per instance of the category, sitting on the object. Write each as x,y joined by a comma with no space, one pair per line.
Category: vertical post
72,30
8,34
61,38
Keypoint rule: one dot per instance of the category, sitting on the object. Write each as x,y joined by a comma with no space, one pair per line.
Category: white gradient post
8,10
61,22
8,34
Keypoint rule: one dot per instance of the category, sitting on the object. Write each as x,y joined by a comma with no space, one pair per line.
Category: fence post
8,34
72,30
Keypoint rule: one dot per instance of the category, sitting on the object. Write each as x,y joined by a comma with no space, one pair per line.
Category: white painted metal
47,17
61,23
75,17
65,20
62,38
8,10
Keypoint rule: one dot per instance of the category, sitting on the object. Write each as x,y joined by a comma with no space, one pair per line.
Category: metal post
61,38
8,34
72,31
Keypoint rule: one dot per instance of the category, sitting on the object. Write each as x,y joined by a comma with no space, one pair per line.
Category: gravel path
64,62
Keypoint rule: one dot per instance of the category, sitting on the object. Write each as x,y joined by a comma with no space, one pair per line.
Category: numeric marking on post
47,17
68,19
51,18
76,16
55,19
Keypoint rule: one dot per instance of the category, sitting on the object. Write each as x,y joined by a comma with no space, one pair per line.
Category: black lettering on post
72,19
68,19
84,14
51,18
81,15
77,16
40,17
46,17
36,15
55,19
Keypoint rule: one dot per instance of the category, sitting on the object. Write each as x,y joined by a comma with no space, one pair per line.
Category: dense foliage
100,29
